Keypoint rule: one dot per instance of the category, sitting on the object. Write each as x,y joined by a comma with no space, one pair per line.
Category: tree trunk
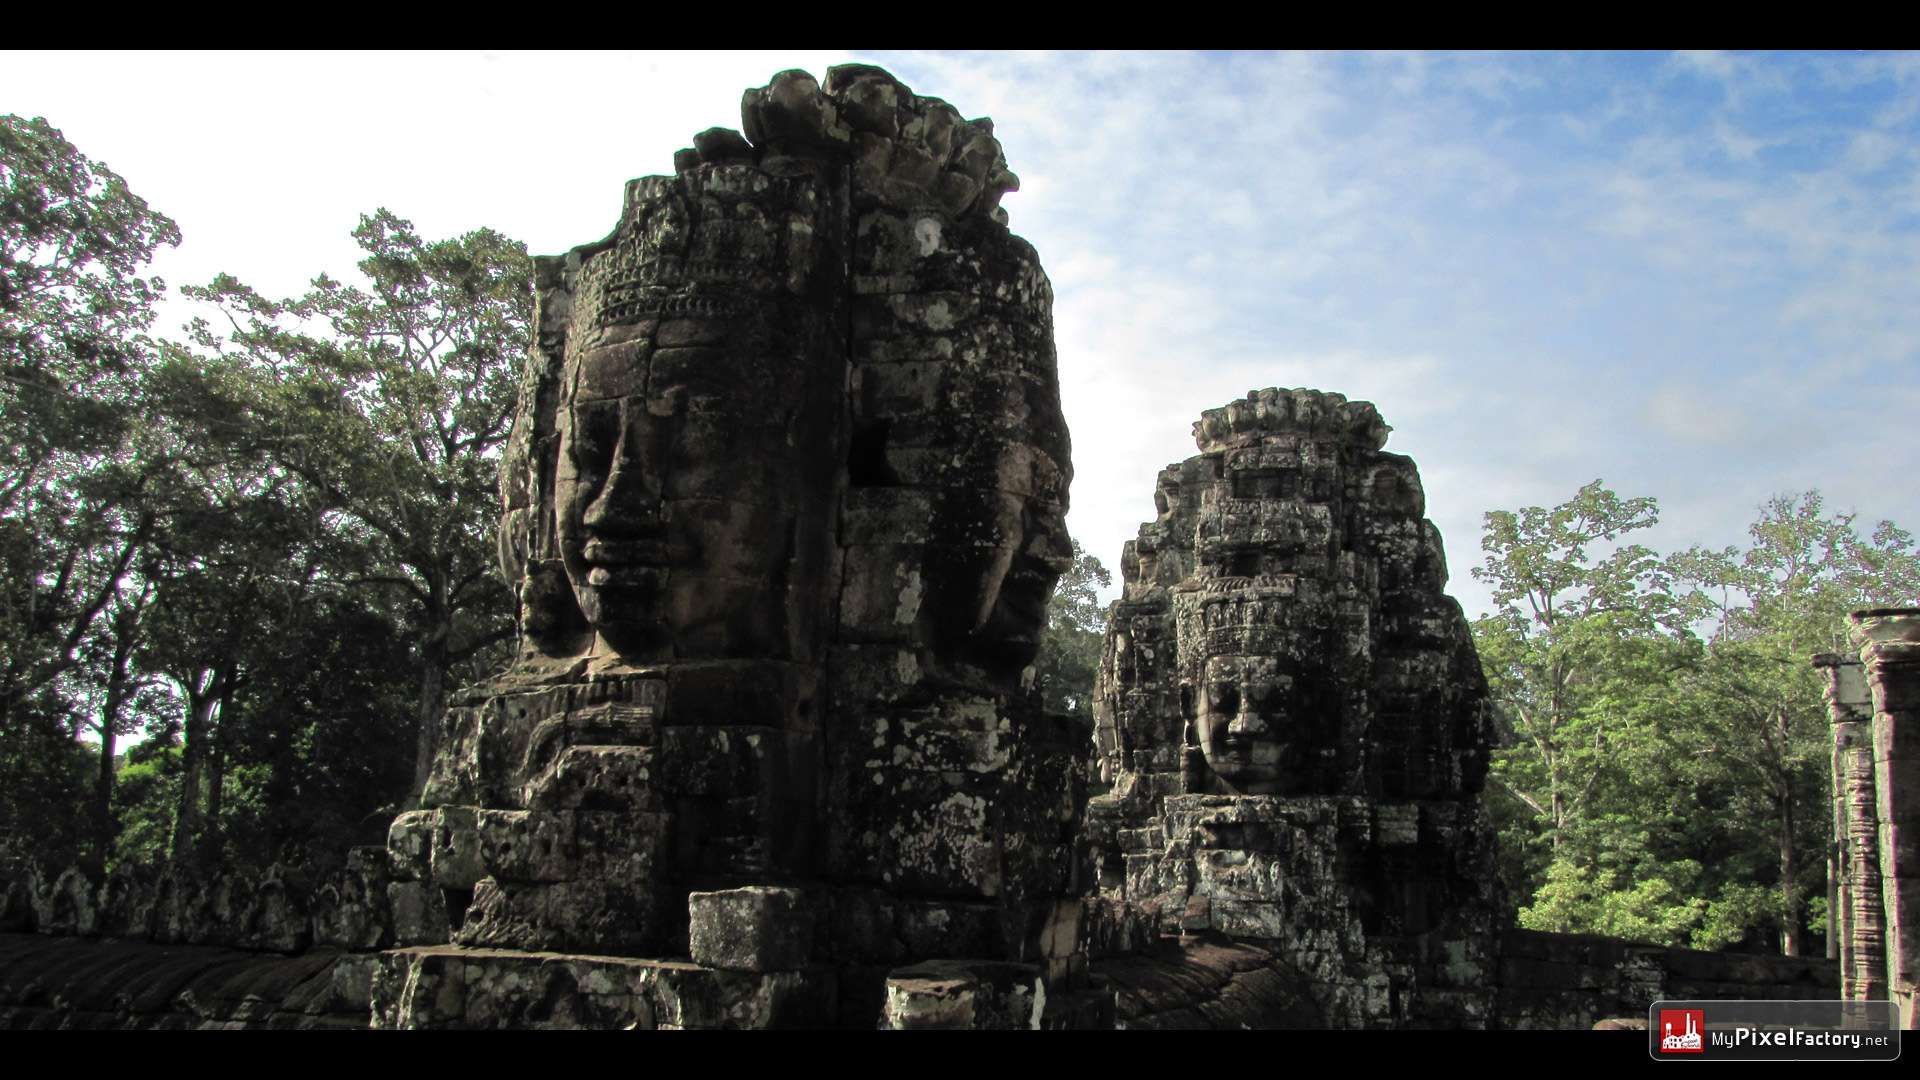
117,684
1789,893
433,688
216,787
200,704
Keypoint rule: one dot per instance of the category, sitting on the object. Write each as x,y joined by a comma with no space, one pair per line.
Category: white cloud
1691,276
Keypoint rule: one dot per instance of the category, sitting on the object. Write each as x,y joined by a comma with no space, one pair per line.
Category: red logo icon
1680,1031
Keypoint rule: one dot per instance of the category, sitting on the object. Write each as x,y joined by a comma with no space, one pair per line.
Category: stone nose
1246,722
628,501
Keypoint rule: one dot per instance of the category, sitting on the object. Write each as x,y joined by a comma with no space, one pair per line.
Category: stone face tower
784,508
1293,717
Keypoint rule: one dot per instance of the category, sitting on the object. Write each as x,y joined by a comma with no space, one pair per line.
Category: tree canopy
269,545
1663,773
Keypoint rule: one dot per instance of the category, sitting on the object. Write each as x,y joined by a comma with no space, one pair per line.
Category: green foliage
391,405
1652,905
271,549
75,495
1740,909
1069,657
147,794
1663,772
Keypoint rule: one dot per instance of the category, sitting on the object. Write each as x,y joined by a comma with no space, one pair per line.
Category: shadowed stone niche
1293,718
783,509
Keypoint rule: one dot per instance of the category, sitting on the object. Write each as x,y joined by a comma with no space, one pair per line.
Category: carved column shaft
1891,656
1858,920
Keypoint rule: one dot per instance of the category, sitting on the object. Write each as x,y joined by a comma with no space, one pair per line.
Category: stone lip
1887,624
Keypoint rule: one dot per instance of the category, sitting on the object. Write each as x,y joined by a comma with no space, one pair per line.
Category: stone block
916,831
618,714
596,778
885,515
458,859
967,736
728,762
526,845
419,913
594,917
908,389
931,996
67,905
1249,919
874,675
751,929
734,694
1897,788
1894,738
629,847
883,593
410,845
352,910
1518,972
694,998
1900,848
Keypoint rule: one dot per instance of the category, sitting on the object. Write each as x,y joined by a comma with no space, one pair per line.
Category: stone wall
149,948
275,910
1573,981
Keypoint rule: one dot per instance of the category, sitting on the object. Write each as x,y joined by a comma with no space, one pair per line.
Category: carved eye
1223,697
596,435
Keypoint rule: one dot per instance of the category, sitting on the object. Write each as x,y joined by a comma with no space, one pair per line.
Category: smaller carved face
1245,731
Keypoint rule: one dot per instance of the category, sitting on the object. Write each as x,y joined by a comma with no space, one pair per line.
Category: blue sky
1692,275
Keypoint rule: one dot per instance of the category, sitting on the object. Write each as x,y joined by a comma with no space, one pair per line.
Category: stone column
1891,656
1856,923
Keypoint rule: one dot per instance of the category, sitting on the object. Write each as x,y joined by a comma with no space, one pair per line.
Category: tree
1665,743
1069,656
1552,648
1764,735
392,405
74,512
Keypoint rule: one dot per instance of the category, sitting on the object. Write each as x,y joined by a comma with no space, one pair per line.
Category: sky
1690,275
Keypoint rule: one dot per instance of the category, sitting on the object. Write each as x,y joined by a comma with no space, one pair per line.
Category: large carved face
676,504
1010,587
1249,740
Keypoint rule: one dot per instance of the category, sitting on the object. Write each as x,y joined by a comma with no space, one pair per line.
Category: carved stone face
1009,610
1245,732
675,494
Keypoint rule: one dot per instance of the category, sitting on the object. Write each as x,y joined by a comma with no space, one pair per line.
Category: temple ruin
1872,699
783,510
1294,719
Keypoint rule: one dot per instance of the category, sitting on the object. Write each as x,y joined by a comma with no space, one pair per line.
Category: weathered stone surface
448,987
951,995
784,506
1859,919
49,983
1208,983
751,929
1885,942
1294,721
1575,981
